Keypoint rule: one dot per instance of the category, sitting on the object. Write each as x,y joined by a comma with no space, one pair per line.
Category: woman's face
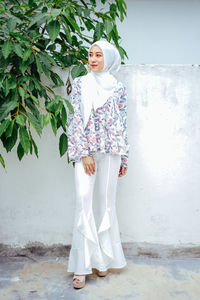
96,59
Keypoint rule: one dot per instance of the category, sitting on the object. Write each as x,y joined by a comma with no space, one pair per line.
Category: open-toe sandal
78,281
102,273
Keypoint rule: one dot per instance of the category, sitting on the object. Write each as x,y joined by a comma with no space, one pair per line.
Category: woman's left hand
122,171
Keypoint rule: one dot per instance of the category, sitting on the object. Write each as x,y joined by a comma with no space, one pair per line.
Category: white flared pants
96,246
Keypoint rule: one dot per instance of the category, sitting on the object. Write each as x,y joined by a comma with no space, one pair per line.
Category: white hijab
97,87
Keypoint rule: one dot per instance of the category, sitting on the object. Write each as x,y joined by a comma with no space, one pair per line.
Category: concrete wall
158,200
161,31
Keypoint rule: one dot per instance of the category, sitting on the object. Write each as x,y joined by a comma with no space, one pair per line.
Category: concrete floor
37,278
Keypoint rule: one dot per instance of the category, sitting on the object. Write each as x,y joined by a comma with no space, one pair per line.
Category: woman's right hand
88,164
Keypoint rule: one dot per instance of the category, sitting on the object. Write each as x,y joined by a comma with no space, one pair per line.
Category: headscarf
97,87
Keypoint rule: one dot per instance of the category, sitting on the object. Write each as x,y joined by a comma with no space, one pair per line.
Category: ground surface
42,278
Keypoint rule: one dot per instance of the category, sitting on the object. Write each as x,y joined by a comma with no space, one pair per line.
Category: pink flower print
72,140
102,135
110,121
120,105
77,131
88,138
89,123
125,159
93,140
106,107
109,132
76,120
99,117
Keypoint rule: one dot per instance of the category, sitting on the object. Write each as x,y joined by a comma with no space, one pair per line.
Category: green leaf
39,66
67,32
86,12
50,104
9,130
2,161
34,99
55,12
20,151
58,108
27,54
98,31
46,119
53,124
23,66
64,117
12,83
93,2
78,70
6,87
10,142
74,24
108,26
39,19
24,138
50,58
37,84
63,144
21,37
56,79
4,126
11,24
6,108
33,108
53,29
7,48
35,123
69,106
34,146
20,120
21,92
44,60
18,50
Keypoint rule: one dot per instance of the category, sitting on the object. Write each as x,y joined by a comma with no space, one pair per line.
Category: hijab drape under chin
97,87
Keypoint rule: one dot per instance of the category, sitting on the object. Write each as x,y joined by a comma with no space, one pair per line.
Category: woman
98,144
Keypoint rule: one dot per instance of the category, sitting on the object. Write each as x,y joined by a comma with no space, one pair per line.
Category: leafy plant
34,37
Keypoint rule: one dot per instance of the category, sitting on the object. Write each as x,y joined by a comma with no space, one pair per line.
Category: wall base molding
130,249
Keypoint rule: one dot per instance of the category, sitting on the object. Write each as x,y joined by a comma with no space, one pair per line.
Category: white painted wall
161,31
158,200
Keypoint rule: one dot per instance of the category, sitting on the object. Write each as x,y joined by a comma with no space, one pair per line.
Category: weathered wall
158,200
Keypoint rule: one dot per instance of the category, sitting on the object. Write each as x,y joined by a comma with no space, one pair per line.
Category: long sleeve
77,142
123,112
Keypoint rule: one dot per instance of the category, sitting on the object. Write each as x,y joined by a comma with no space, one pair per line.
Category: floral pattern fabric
106,129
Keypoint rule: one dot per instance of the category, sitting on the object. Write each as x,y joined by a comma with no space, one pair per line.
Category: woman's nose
93,58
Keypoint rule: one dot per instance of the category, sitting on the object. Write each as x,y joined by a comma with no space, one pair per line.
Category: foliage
34,37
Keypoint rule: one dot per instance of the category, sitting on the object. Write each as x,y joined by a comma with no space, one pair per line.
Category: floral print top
105,131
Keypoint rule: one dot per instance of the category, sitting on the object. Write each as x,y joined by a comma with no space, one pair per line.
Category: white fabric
97,87
96,246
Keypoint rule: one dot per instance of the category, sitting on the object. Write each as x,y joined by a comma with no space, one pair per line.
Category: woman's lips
93,66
